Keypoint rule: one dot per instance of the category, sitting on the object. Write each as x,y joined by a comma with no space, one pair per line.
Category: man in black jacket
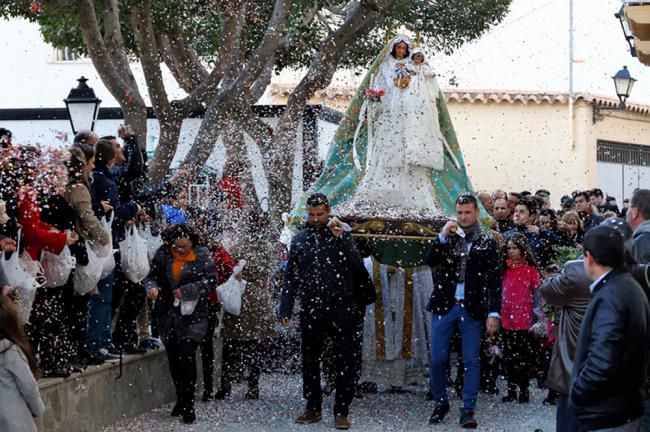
610,359
324,269
541,240
466,293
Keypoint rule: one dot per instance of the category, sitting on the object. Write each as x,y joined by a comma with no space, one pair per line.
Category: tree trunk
170,132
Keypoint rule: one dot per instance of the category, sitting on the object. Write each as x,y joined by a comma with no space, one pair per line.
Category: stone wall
88,401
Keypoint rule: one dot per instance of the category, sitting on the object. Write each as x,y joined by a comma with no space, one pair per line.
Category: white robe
404,141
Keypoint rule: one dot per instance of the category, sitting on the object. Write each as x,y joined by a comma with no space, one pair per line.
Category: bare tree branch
181,59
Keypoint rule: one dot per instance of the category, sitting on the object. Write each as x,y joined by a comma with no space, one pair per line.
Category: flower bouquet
375,95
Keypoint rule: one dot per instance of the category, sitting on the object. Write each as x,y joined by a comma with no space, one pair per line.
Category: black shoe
208,395
253,393
133,350
524,397
439,413
428,396
150,344
467,420
189,416
94,358
177,410
223,392
511,396
57,372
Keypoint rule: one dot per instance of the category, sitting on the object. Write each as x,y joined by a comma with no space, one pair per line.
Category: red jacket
224,265
37,235
518,286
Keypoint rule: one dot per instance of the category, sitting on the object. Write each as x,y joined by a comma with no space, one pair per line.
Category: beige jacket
89,227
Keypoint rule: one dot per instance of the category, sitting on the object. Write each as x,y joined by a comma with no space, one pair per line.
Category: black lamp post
623,82
627,30
82,106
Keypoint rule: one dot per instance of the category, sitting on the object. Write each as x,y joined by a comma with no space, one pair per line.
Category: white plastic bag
153,242
187,306
25,283
57,268
134,256
86,277
231,291
105,252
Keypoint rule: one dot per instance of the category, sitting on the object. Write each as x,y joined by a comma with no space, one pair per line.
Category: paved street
281,401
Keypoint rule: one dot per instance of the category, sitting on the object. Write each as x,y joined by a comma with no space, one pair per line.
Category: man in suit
466,294
609,367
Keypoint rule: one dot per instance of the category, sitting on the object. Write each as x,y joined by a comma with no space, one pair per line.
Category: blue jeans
100,319
442,329
564,420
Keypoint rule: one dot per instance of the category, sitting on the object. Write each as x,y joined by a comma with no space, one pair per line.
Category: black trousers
75,311
181,355
44,330
564,420
338,323
130,297
207,348
518,352
240,356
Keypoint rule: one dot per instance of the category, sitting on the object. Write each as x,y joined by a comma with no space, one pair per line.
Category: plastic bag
187,306
86,277
153,242
105,252
134,256
231,291
25,283
57,268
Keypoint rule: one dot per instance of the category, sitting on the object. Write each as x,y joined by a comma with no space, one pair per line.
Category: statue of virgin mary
394,157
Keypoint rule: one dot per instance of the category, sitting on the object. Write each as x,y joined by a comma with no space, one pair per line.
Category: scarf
472,234
179,262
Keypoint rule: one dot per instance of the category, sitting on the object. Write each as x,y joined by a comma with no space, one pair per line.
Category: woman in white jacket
20,400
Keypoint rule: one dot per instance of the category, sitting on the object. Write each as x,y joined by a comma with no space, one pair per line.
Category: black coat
542,244
198,278
105,189
321,266
609,367
482,277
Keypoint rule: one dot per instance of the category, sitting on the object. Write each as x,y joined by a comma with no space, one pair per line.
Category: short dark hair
104,152
543,192
317,200
641,200
526,193
82,137
181,230
467,198
530,203
516,195
605,245
597,193
584,194
610,199
109,137
5,133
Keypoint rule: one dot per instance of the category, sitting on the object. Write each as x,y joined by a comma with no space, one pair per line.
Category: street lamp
627,30
82,106
623,82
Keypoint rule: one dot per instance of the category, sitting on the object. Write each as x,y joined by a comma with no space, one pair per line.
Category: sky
528,51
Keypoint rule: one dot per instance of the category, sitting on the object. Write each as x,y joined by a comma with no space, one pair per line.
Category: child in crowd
519,285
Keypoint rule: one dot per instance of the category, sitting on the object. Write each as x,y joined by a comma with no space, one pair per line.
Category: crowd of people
520,290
